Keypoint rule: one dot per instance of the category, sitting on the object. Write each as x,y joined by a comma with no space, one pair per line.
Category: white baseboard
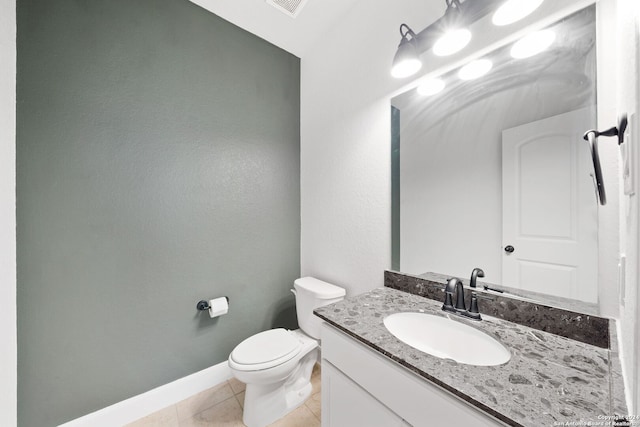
147,403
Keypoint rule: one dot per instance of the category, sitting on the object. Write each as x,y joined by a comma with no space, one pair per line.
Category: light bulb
475,69
406,68
406,62
514,10
532,44
431,87
451,42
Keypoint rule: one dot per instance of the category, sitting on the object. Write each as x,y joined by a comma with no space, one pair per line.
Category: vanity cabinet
345,403
362,387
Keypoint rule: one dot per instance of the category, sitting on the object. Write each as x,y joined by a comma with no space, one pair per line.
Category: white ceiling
295,35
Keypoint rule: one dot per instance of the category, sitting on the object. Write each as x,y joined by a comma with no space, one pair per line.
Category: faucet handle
474,303
473,309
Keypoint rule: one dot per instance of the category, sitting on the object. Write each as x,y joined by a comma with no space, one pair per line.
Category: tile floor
222,406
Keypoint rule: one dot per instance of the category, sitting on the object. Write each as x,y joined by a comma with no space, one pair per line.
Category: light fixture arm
408,35
453,3
405,31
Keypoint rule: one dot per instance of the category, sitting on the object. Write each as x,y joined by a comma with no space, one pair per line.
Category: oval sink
447,339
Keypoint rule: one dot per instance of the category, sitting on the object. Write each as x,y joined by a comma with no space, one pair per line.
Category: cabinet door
346,404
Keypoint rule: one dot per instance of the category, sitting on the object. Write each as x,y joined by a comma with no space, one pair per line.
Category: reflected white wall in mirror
462,200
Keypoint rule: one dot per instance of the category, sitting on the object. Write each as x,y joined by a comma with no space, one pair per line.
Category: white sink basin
447,339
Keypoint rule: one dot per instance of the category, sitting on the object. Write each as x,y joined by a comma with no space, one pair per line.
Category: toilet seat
265,350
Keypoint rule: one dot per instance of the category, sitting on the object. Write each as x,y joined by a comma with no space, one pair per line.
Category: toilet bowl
276,364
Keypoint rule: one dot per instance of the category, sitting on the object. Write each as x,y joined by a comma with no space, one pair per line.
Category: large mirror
493,172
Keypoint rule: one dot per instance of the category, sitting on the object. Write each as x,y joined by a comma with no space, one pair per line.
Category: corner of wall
346,90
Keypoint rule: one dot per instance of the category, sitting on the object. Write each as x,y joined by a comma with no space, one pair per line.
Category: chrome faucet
455,285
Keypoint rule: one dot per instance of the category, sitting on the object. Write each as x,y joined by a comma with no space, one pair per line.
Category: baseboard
147,403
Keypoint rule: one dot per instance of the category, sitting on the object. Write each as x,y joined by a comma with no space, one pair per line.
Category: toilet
276,364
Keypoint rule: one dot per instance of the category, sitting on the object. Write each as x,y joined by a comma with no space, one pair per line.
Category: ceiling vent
289,7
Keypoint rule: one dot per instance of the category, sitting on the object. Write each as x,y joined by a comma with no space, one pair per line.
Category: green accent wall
158,163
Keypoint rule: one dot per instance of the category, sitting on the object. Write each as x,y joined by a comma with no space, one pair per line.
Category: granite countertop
549,378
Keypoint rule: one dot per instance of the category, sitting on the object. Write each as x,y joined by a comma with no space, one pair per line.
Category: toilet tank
312,293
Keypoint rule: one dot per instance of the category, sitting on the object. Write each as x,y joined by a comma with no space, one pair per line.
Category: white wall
619,91
8,377
627,23
345,133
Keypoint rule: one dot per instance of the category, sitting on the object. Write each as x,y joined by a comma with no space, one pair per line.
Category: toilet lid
276,346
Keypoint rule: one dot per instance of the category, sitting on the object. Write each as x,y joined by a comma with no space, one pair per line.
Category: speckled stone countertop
549,378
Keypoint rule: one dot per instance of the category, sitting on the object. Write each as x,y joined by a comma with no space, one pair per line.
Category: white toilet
276,364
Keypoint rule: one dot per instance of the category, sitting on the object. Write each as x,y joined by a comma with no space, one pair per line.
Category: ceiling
295,35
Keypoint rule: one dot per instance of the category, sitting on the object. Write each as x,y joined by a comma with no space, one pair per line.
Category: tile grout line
239,403
208,407
313,413
211,407
175,409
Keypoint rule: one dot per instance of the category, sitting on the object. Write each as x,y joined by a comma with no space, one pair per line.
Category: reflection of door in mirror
549,211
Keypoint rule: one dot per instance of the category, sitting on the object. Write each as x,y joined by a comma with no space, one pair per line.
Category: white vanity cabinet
345,403
363,388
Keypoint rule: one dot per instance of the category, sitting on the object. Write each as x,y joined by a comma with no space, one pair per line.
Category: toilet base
266,403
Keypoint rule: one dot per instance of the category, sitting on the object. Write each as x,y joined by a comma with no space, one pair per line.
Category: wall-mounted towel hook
592,137
614,131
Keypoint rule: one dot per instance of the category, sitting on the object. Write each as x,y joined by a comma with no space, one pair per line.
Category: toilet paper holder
204,305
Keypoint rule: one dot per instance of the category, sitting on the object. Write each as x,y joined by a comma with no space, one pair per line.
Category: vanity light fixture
532,44
455,37
475,69
406,61
446,36
451,42
514,10
431,87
